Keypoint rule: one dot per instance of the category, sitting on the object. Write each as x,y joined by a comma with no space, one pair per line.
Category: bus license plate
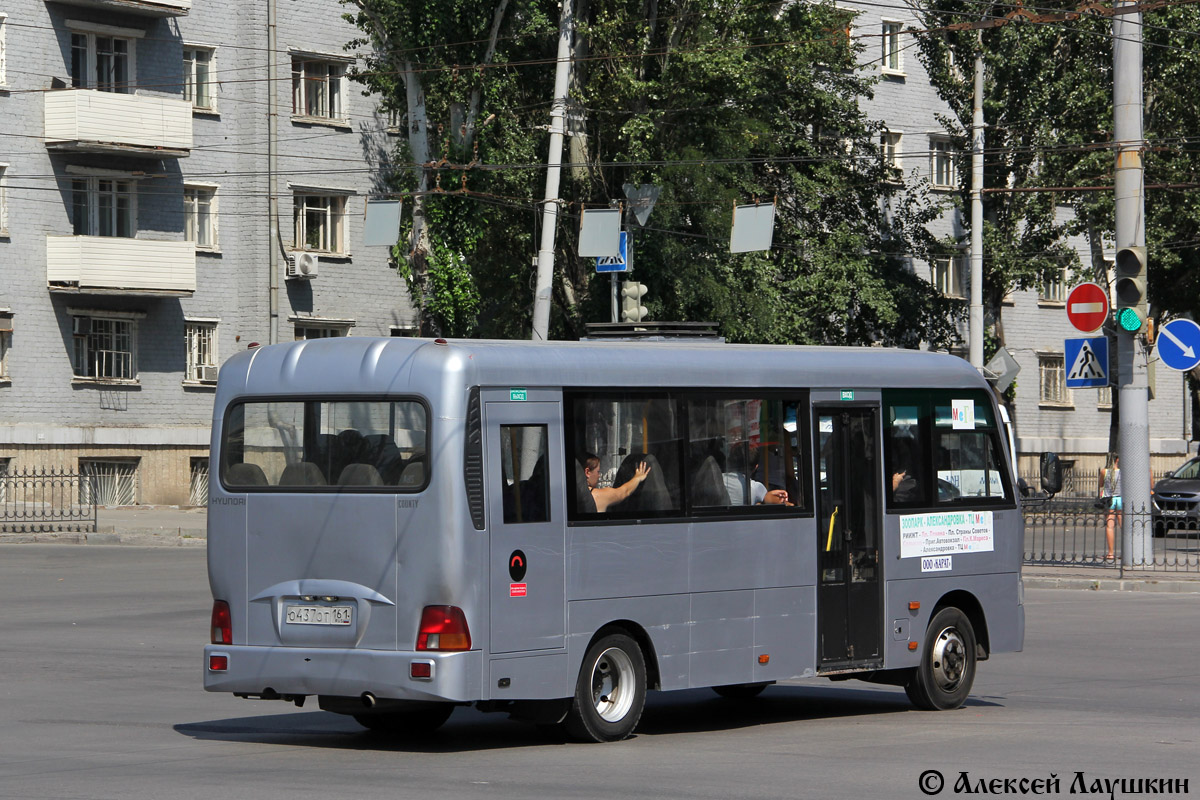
319,615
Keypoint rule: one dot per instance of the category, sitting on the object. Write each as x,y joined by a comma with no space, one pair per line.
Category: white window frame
946,273
892,56
196,196
1104,398
1054,292
93,33
1052,380
320,327
3,197
5,346
92,362
3,51
201,335
327,212
890,144
943,163
319,88
96,189
199,87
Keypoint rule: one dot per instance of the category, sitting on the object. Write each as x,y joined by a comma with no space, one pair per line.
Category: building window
947,276
3,66
320,330
101,62
891,47
889,144
198,494
943,163
102,207
109,483
198,70
105,348
3,199
1053,380
5,344
200,216
317,88
1054,290
404,330
320,222
201,351
1104,397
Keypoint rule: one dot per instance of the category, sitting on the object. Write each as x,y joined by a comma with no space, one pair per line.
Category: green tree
717,102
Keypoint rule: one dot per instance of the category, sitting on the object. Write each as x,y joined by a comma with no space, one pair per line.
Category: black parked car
1176,499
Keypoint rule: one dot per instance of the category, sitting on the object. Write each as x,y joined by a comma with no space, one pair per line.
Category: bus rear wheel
422,718
611,691
944,677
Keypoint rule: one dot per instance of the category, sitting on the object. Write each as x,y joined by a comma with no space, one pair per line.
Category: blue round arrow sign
1178,344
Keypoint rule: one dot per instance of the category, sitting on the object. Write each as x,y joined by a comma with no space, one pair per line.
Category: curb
1113,584
146,537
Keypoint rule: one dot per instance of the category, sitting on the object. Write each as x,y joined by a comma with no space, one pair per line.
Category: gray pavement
175,526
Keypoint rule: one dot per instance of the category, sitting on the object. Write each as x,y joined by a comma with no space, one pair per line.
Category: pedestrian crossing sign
1086,362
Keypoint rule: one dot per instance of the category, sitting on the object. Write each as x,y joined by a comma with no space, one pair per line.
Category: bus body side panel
711,603
998,596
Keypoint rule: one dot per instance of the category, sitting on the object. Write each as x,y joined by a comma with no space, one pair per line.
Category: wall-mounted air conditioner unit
302,266
81,326
209,374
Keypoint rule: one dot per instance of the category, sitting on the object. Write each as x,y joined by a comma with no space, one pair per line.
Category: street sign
622,262
1002,370
1087,306
1087,362
1178,344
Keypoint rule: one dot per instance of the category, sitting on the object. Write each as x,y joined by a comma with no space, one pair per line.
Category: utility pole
1131,232
558,112
975,322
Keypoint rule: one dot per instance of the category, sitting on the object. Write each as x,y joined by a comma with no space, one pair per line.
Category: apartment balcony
90,121
145,8
116,265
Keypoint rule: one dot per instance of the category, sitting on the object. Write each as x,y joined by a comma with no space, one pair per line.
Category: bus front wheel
611,691
944,677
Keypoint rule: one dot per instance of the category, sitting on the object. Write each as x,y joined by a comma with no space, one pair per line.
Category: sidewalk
172,526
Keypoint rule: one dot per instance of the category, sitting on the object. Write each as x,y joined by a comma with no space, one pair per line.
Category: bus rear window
356,444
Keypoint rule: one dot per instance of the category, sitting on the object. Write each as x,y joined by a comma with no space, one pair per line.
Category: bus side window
969,458
526,489
908,475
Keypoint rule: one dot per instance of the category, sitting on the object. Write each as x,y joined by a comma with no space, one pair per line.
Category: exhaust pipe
368,700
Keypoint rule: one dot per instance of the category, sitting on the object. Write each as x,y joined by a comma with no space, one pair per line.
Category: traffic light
1131,289
632,309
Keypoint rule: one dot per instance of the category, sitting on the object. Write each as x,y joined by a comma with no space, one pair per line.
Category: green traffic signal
1130,320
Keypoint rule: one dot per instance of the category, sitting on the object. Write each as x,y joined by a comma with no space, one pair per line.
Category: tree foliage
715,101
1049,112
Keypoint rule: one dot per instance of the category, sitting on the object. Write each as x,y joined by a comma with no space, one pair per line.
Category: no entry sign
1087,306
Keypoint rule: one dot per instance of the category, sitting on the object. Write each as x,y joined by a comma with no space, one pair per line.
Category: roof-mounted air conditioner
302,266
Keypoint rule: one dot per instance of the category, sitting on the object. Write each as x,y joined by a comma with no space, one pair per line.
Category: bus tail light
222,624
443,628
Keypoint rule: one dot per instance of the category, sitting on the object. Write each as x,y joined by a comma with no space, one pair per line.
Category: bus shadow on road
667,713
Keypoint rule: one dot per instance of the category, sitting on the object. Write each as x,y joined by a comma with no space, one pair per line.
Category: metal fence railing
1074,532
36,500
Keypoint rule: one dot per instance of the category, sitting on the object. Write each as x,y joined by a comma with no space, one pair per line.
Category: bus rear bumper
300,671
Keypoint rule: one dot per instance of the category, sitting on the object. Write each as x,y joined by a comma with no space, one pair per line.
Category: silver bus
400,526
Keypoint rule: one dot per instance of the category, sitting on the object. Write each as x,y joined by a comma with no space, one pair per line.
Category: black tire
421,719
610,693
944,677
741,691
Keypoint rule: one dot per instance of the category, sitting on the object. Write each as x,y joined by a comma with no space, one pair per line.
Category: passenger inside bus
606,497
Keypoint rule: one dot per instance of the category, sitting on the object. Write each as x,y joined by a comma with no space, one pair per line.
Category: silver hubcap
949,659
613,683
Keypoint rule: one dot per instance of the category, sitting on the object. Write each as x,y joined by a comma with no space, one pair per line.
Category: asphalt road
100,676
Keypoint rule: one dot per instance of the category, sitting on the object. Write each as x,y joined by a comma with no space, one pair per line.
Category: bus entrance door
848,537
527,522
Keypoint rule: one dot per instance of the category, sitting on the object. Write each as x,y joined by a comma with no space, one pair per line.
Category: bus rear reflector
218,663
443,628
222,625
